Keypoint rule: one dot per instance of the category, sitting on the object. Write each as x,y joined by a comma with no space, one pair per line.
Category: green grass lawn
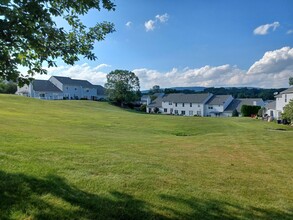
91,160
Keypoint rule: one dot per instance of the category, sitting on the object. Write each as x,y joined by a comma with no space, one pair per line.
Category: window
75,88
170,103
175,104
182,112
165,110
176,112
285,97
198,106
210,107
182,104
87,90
171,110
198,113
190,113
190,104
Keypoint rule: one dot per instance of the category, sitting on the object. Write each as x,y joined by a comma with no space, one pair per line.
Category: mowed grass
92,160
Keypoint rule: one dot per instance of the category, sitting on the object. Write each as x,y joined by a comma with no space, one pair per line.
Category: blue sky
194,43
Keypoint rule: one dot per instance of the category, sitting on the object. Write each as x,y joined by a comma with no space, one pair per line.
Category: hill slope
91,160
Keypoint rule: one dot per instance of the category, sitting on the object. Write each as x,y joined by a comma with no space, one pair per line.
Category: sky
211,43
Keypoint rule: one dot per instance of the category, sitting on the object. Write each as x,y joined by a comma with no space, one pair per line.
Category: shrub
235,113
288,112
143,108
156,110
249,110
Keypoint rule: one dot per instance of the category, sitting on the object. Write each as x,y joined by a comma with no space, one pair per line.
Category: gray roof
100,90
156,103
145,97
290,90
218,99
185,98
237,104
83,83
44,86
233,105
159,94
74,82
271,105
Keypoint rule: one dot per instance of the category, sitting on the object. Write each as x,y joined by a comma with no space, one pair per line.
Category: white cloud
264,29
162,18
128,24
149,25
271,71
274,62
290,31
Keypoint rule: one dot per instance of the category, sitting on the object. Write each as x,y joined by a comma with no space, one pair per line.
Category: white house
74,88
58,87
181,104
270,110
283,99
42,89
217,104
145,100
205,104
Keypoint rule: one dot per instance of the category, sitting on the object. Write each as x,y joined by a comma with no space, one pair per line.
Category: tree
288,112
291,81
29,36
8,87
122,86
155,89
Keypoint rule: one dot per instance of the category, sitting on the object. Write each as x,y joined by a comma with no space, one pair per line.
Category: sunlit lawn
91,160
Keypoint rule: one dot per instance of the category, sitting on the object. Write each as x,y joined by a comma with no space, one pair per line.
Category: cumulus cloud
290,32
271,71
264,29
150,24
128,24
274,62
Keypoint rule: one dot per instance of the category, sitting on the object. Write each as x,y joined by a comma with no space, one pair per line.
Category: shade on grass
91,160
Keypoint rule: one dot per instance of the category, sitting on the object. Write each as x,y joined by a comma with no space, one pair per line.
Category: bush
288,112
156,110
143,108
235,113
249,110
261,112
8,87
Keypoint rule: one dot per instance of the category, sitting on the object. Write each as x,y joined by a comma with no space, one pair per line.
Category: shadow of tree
24,195
28,197
215,209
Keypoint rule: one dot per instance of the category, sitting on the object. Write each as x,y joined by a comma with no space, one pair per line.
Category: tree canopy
122,86
29,36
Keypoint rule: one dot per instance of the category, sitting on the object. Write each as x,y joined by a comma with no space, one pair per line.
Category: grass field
91,160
